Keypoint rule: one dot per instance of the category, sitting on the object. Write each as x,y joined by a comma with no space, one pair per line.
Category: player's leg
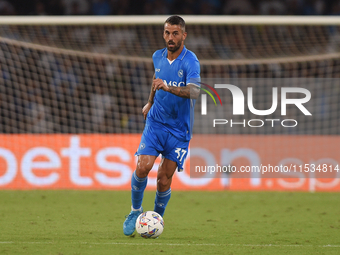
148,151
138,185
139,179
166,170
174,154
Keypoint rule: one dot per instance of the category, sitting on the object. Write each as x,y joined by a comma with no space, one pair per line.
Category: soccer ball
149,224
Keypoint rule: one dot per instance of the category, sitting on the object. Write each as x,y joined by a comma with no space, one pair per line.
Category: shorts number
180,153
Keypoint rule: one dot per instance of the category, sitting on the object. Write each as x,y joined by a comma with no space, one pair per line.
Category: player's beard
175,47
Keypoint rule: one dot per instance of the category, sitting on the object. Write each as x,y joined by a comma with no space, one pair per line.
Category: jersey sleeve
193,72
156,56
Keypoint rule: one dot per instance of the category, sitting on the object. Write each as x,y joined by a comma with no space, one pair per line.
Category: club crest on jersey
180,73
142,146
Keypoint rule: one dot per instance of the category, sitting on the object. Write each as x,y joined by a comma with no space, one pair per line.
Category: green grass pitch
90,222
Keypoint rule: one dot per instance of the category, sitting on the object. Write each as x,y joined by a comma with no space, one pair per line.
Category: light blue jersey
169,112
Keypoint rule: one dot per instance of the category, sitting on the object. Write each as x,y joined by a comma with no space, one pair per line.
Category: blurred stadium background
165,7
72,88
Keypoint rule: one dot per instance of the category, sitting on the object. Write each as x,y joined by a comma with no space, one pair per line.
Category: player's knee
144,165
143,170
163,183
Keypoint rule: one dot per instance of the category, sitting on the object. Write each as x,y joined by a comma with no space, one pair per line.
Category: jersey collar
180,57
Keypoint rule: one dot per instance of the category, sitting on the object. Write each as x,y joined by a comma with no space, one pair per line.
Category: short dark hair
176,20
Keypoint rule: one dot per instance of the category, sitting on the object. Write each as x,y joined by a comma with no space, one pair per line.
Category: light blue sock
137,190
161,201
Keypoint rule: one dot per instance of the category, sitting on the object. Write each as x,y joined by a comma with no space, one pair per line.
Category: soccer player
169,119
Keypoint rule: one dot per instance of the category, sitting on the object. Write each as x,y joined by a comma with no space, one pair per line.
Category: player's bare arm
148,105
190,91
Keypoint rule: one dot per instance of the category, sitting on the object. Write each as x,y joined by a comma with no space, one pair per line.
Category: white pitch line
213,244
183,244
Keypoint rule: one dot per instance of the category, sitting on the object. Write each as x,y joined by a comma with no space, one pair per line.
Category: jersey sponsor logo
180,73
158,69
174,83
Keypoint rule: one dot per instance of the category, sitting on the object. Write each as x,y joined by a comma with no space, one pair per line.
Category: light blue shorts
156,141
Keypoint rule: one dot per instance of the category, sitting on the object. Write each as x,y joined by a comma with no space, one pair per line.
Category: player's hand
146,109
158,84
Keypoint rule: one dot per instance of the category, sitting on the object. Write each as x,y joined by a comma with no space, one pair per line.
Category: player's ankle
135,210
